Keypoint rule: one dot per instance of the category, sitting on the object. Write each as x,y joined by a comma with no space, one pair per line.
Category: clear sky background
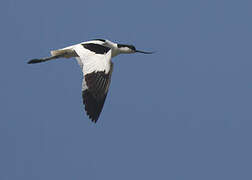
184,113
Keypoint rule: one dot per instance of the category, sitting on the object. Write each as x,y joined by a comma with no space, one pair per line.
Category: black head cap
133,48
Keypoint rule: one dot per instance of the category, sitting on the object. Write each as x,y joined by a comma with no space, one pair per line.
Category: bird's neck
115,49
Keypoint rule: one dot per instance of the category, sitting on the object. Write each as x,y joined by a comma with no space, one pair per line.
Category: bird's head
128,49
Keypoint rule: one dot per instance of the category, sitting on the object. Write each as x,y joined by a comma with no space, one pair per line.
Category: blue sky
182,113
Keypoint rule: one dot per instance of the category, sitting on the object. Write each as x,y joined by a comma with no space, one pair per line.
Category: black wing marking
93,106
96,92
103,40
97,48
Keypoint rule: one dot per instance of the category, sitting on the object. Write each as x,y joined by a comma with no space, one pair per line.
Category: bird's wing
95,61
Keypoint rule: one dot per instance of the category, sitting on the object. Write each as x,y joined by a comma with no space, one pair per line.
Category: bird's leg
34,61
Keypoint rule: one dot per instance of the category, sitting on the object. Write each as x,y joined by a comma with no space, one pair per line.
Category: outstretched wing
95,61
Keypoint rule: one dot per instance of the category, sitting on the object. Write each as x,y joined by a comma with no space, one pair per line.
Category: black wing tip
94,120
93,107
34,61
92,116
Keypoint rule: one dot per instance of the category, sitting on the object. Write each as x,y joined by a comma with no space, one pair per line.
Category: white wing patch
97,70
79,62
90,61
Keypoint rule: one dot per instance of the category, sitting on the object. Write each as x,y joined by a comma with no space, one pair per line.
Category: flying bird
94,58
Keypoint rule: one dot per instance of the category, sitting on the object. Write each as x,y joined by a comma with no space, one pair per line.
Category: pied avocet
94,58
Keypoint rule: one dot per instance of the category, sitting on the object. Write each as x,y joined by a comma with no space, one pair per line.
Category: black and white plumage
94,58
